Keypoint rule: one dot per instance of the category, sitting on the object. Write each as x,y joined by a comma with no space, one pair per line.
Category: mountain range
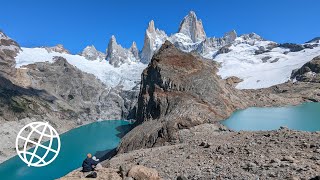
259,63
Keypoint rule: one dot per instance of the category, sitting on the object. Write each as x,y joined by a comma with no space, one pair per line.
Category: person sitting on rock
89,164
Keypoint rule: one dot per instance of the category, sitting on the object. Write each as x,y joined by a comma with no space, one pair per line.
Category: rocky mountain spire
91,53
192,27
152,41
117,55
134,50
151,27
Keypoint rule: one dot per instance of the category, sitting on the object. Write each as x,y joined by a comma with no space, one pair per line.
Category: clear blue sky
77,23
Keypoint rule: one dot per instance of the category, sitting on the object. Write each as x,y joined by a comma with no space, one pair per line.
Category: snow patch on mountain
127,76
274,66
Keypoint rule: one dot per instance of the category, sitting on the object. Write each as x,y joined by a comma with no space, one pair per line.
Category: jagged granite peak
134,50
192,27
210,46
151,27
152,42
230,36
117,55
8,51
58,48
91,53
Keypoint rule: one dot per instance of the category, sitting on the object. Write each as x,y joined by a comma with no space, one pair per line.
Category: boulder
139,172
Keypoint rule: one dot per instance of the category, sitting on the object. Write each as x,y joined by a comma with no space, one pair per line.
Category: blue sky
77,23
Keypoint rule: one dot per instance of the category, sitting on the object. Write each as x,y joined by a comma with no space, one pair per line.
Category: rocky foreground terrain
178,134
209,151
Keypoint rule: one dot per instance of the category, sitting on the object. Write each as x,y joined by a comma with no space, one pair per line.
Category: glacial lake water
304,117
96,138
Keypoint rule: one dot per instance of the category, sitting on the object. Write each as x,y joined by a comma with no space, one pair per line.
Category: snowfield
127,75
243,63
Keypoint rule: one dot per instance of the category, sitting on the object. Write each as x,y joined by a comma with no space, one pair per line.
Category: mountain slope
126,76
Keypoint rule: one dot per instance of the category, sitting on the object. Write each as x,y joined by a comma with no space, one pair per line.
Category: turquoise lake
304,117
97,138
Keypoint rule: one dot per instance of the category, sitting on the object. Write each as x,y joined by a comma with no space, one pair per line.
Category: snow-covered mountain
261,63
258,62
126,77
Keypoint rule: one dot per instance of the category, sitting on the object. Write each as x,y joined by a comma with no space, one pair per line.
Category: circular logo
45,142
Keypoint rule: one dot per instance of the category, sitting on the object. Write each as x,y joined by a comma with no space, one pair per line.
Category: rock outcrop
192,27
210,45
117,55
310,72
178,90
91,53
58,48
8,51
153,40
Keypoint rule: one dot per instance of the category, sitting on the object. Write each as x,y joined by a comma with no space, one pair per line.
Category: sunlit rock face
91,53
153,40
8,51
192,27
117,55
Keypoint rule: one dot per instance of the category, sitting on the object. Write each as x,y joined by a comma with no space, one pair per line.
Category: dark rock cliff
178,90
309,72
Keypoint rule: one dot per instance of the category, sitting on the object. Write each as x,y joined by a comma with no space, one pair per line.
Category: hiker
89,164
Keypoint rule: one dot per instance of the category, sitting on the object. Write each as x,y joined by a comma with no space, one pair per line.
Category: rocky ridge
58,48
